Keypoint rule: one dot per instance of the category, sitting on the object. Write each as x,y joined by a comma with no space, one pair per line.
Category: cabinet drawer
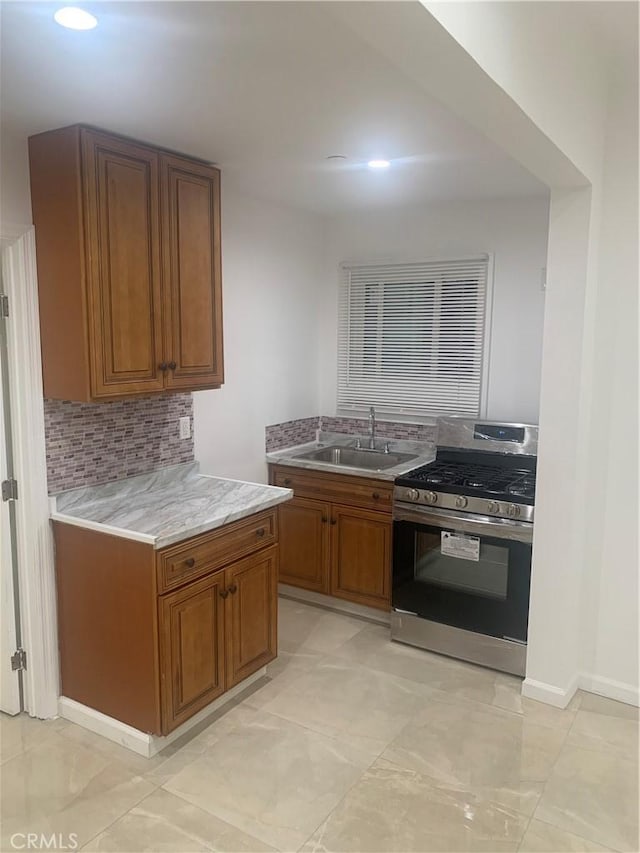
188,560
354,491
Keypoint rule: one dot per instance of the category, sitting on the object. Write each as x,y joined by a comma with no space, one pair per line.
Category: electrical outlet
185,427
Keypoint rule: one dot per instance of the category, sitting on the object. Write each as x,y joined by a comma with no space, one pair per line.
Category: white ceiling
266,90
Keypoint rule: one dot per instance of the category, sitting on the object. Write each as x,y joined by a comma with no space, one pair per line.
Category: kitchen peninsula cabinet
129,266
151,637
335,535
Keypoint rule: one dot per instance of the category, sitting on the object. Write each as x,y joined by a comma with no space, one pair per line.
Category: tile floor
353,743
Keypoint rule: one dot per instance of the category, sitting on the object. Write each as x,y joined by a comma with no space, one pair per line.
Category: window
412,337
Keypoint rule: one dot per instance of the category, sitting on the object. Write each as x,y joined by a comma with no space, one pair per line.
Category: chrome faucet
372,428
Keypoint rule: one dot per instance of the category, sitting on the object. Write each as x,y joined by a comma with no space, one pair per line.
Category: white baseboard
339,605
143,743
559,697
618,690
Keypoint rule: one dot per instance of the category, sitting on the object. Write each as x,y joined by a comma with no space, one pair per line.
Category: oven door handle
480,525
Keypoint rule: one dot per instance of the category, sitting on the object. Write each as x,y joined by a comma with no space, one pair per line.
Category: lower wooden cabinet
192,648
361,556
331,546
152,637
251,615
216,632
305,548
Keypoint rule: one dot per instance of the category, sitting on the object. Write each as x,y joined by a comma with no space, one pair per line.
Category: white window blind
411,337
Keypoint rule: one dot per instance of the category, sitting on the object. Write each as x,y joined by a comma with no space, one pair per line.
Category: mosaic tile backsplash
384,429
290,433
93,443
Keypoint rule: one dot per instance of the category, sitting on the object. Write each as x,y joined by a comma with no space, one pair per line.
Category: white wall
271,263
15,200
564,93
611,655
515,231
553,654
584,606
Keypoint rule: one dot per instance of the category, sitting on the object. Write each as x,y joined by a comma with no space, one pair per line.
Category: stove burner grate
474,478
472,483
522,488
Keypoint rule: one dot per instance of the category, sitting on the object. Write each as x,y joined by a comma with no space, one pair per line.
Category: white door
10,686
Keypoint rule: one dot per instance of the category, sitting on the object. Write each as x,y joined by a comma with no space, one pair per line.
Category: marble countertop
424,453
165,506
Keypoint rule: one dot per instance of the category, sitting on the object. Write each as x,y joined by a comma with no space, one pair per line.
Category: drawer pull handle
288,481
224,593
233,589
190,562
376,496
260,531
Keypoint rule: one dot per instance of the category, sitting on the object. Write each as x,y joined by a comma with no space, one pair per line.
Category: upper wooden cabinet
129,266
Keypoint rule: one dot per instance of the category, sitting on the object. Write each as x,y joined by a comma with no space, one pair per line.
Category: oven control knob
513,511
461,502
412,495
494,506
430,497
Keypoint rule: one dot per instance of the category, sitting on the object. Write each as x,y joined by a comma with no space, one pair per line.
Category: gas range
481,482
480,467
462,534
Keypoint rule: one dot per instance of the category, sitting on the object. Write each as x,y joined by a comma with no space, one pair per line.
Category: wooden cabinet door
361,556
252,614
304,544
192,644
122,226
192,273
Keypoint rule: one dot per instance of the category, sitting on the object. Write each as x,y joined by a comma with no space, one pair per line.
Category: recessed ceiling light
75,19
378,164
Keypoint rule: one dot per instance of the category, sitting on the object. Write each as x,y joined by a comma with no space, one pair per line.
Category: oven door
463,570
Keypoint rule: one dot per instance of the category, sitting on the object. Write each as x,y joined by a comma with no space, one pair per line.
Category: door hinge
19,660
10,490
4,305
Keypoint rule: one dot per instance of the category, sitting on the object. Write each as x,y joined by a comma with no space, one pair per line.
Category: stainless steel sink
351,457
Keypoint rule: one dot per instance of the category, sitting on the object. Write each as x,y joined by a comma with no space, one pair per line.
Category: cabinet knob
233,589
224,593
172,365
190,562
260,531
333,521
162,366
376,496
324,519
288,481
